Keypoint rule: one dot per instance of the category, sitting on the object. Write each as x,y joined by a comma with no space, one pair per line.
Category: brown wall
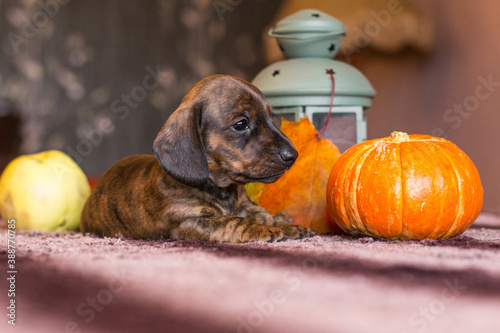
419,94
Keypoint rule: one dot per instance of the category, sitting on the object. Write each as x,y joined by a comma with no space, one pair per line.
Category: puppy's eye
241,126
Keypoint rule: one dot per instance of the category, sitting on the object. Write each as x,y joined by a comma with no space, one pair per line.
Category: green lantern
301,85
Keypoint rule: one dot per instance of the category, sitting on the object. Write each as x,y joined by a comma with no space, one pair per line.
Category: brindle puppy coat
221,137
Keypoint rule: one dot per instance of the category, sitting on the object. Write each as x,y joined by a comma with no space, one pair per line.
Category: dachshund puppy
220,138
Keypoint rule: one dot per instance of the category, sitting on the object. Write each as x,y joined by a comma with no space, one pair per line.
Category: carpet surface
69,282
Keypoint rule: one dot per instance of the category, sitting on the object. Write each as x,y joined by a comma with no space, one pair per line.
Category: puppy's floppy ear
179,148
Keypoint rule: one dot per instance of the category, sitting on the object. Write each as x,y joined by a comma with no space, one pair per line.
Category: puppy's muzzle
288,156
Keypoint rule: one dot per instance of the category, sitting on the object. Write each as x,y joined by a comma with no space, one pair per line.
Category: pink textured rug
69,282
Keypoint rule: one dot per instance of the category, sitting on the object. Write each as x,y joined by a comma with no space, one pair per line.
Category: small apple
44,191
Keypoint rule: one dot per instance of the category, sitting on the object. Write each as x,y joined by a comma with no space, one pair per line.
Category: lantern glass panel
278,116
292,114
341,128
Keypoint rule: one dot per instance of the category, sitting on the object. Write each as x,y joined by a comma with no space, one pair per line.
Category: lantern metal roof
310,39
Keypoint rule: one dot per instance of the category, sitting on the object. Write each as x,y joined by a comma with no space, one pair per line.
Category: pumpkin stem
399,136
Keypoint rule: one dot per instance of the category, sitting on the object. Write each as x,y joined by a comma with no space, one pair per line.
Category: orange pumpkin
404,187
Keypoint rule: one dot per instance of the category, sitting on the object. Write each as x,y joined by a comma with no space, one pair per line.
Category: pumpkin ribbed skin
404,187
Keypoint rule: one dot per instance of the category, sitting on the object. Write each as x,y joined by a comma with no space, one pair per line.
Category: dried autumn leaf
300,195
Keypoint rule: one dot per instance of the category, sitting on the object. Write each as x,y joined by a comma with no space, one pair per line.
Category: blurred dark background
97,79
63,65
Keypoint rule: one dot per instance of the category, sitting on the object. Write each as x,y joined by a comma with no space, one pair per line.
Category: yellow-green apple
44,191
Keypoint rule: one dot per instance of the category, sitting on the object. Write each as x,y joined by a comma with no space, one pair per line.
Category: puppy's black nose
289,156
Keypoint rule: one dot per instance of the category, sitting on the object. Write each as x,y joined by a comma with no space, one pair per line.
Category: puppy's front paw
296,231
265,233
